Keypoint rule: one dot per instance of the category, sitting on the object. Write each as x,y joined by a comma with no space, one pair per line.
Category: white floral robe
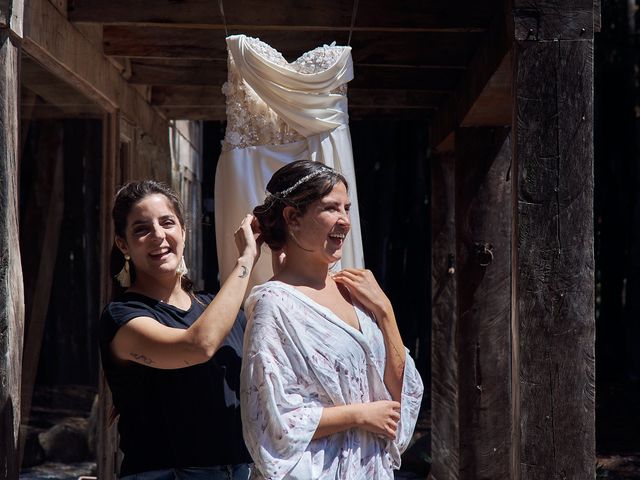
300,357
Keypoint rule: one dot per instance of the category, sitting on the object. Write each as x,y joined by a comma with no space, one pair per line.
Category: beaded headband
306,178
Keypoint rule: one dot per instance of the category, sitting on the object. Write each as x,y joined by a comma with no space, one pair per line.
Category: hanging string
353,20
224,19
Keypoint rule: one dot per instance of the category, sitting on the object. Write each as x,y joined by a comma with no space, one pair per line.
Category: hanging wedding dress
278,112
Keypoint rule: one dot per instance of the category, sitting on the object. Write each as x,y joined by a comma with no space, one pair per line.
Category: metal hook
484,252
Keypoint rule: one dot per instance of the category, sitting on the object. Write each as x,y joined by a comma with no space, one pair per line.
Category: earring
182,267
123,277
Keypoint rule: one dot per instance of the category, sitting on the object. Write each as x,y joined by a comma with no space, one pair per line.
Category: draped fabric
298,358
278,112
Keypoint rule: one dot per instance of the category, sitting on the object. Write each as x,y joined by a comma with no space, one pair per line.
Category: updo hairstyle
298,185
125,199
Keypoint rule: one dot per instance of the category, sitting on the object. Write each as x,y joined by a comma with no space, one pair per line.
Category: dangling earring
182,267
123,277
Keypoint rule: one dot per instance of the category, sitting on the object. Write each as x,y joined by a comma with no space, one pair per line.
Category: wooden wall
554,314
11,289
513,340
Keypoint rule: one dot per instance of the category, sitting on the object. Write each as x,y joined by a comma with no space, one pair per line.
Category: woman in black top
171,357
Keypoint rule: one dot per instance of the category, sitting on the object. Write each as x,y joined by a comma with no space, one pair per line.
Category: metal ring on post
484,252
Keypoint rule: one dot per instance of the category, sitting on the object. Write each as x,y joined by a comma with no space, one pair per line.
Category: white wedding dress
278,112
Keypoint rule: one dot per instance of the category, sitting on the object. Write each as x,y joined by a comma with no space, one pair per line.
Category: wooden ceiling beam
211,96
47,37
217,113
165,72
388,48
486,62
400,15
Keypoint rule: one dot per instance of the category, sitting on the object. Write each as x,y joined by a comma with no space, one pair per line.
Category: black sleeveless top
188,417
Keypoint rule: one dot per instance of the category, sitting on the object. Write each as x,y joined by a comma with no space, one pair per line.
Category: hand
364,287
247,238
380,417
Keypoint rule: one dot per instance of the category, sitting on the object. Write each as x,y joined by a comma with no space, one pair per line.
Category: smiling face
322,229
154,237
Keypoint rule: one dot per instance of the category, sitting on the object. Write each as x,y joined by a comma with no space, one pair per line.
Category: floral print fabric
299,357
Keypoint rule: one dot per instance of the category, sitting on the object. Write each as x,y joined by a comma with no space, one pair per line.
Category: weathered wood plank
218,113
11,286
390,48
483,238
489,54
494,105
107,438
553,20
211,96
178,72
5,14
51,143
403,15
47,38
555,307
410,48
214,72
432,79
445,430
203,43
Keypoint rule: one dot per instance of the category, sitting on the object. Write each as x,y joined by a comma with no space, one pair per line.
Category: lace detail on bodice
250,121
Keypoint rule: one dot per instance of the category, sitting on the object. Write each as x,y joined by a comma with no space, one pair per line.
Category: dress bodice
250,120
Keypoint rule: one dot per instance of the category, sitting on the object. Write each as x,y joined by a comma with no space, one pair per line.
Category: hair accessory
124,277
182,267
304,179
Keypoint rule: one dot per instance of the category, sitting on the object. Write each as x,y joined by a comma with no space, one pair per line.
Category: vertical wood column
472,302
112,176
554,312
11,285
445,434
483,230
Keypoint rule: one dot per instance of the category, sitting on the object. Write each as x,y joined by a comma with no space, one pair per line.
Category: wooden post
445,432
554,313
11,286
483,232
107,441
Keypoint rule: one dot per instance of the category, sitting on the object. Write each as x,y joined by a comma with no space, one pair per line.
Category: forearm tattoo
141,358
244,272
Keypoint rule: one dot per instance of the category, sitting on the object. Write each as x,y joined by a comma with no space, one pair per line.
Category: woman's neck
301,270
167,289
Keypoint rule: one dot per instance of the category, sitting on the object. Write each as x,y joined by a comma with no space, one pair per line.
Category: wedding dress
278,112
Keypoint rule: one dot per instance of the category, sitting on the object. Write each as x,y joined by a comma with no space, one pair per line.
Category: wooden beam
205,44
445,384
494,105
211,96
112,176
545,20
488,57
178,72
51,143
483,259
408,48
12,16
48,39
164,72
315,14
11,286
554,312
385,48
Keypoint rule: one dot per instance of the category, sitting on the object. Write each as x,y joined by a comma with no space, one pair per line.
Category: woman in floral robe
328,390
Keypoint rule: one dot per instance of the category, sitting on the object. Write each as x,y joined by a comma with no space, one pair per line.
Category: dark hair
297,184
126,198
